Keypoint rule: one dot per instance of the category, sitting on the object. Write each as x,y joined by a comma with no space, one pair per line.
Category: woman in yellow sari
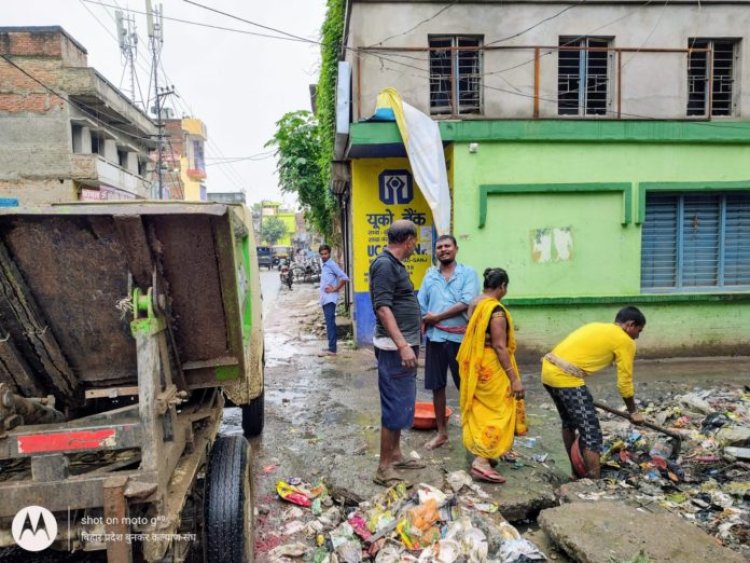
490,380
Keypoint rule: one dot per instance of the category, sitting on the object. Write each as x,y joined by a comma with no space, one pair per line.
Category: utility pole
128,39
155,23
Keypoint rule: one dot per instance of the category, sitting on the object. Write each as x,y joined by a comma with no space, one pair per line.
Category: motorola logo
34,528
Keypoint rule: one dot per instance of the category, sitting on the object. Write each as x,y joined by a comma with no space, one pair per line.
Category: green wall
701,328
570,173
603,272
605,255
291,227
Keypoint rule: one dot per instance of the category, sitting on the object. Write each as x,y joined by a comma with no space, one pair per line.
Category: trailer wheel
253,416
228,504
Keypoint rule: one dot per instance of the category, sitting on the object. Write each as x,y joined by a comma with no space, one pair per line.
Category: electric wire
206,25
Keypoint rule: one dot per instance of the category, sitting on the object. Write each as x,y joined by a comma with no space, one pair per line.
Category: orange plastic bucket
424,416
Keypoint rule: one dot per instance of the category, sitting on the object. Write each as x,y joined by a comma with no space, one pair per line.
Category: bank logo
34,528
395,186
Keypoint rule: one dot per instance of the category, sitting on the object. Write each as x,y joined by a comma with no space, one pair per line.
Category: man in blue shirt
444,298
332,279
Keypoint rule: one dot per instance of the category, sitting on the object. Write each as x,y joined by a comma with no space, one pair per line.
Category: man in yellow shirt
584,351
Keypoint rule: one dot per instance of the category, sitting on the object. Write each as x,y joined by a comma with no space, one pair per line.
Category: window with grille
711,77
455,75
583,76
695,241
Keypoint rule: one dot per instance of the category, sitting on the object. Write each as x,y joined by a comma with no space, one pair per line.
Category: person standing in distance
332,279
396,343
446,293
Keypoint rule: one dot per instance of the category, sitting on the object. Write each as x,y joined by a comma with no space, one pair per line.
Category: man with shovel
587,350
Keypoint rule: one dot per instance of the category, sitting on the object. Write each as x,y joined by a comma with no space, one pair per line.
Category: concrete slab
547,546
603,532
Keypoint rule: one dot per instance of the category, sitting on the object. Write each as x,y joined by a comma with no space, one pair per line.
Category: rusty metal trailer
123,328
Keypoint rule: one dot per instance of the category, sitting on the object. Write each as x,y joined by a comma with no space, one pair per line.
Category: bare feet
436,442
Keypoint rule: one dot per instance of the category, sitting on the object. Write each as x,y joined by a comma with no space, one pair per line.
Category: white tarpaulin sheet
424,147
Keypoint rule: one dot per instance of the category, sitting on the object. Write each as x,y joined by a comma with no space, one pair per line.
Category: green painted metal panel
227,373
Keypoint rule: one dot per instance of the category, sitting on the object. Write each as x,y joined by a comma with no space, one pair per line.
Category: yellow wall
191,187
194,126
371,217
291,226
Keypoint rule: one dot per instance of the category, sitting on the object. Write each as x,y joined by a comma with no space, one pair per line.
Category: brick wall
48,42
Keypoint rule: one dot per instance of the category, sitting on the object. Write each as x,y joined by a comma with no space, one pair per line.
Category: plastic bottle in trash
661,448
521,428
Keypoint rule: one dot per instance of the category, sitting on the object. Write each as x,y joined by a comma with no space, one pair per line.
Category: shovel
676,437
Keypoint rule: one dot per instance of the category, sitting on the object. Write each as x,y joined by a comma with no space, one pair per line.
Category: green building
611,169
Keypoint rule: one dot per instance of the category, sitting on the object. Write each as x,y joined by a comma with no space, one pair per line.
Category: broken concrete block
613,531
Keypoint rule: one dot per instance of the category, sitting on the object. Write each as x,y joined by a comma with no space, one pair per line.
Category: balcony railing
537,82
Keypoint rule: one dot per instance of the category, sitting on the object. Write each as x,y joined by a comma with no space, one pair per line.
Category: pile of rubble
459,523
705,478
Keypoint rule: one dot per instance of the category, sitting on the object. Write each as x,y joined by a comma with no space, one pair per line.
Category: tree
332,32
299,167
272,229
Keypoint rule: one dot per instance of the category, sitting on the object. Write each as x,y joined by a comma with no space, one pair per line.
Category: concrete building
66,133
184,173
227,197
288,218
598,151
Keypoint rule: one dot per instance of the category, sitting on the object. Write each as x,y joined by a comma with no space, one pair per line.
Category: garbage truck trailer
124,327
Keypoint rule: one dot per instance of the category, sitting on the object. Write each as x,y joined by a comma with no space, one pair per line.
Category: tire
253,416
229,511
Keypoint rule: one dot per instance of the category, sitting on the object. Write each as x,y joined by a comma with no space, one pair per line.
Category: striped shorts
577,412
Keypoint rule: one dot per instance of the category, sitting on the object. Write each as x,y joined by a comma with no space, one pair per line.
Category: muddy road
322,417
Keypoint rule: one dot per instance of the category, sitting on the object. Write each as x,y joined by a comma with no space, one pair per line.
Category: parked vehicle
280,253
285,274
124,328
265,258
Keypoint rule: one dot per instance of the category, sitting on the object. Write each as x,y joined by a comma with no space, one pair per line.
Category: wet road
322,414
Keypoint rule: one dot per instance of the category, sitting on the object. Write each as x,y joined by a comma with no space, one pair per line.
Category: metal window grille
583,76
711,77
455,75
696,240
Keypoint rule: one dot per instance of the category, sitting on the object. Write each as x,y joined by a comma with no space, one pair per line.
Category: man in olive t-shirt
396,343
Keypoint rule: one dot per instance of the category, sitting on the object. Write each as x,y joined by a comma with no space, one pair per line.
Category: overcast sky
238,84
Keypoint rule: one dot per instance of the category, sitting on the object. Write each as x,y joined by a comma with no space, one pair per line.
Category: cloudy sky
239,84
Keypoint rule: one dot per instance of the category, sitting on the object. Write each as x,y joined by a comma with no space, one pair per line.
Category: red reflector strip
64,441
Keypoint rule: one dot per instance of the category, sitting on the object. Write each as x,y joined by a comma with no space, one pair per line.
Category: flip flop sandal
487,475
409,464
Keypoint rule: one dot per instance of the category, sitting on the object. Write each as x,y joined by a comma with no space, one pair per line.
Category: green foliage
332,33
272,229
298,164
305,144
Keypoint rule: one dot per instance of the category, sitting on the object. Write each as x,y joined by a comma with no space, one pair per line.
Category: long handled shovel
579,467
676,437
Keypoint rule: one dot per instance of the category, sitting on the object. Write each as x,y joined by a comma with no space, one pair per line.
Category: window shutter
659,236
700,240
737,240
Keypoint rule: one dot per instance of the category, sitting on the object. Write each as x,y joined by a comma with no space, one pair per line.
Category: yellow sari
488,408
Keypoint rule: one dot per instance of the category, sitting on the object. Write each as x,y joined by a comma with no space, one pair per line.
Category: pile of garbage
705,478
426,524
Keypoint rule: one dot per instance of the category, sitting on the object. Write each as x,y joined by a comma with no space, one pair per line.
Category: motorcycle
285,274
